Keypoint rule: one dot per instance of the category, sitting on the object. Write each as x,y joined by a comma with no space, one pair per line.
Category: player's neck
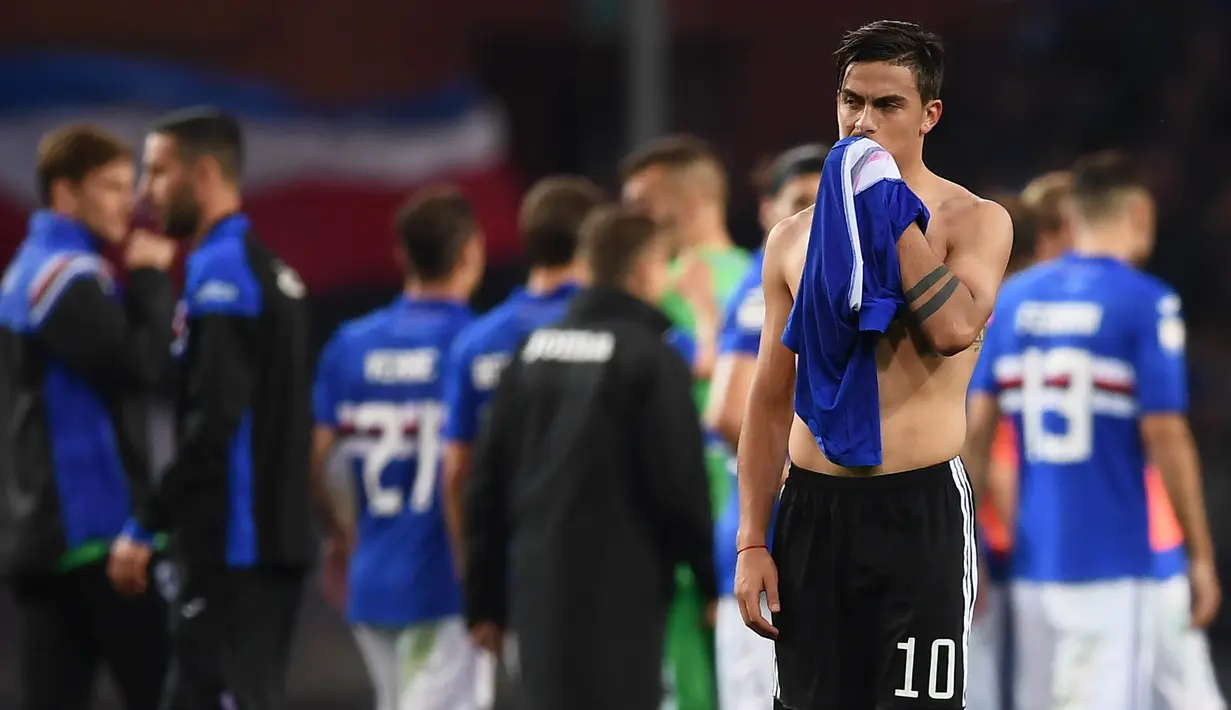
1105,243
914,173
545,279
213,212
433,290
709,234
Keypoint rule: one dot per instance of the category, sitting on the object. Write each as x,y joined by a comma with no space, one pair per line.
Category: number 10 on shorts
940,647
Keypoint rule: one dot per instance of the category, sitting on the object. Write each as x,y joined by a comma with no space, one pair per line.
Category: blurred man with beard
79,357
236,496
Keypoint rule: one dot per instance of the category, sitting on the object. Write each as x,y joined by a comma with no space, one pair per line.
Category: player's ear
931,116
1141,212
206,169
765,211
475,252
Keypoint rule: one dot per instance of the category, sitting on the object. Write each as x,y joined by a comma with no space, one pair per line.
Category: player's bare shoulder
958,214
786,249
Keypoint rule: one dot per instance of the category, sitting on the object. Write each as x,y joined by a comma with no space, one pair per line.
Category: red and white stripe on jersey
1112,392
57,274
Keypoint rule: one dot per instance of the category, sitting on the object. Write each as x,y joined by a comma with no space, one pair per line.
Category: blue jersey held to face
848,294
740,335
482,351
379,386
1077,351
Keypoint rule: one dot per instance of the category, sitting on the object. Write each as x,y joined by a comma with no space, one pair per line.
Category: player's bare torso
922,394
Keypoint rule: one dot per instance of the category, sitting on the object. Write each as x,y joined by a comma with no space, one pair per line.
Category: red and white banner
321,186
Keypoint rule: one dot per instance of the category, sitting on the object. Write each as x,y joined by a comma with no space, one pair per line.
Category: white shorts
987,648
429,666
1183,672
1083,646
745,661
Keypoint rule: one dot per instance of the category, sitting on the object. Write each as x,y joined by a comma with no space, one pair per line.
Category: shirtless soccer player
873,606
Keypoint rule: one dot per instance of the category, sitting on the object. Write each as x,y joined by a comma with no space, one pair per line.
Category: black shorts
231,635
877,579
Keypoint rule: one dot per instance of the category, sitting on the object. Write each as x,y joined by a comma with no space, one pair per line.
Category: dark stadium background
1031,84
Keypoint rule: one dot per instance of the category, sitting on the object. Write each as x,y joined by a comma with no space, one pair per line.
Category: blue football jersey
740,335
379,385
482,351
1077,350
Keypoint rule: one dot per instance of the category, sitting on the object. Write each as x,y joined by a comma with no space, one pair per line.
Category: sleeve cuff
136,532
876,314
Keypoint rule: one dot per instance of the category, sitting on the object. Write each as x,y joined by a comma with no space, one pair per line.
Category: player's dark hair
551,216
1025,232
434,227
900,43
675,151
772,175
1100,180
205,131
73,152
613,239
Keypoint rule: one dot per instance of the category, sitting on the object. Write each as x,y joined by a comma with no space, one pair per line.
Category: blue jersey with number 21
379,387
1077,351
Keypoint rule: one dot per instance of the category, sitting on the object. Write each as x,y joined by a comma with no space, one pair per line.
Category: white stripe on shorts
970,562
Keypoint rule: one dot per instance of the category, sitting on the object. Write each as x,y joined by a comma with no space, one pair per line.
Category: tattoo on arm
936,302
914,293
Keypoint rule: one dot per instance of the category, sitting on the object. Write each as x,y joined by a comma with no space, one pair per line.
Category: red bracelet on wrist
744,549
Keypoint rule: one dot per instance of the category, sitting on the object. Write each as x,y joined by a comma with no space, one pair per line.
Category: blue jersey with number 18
1077,351
379,387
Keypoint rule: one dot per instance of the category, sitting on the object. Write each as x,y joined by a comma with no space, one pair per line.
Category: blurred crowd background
350,106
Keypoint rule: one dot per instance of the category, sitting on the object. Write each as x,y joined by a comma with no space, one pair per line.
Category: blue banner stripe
32,81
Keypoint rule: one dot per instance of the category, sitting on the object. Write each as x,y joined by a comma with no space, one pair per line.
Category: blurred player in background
989,633
745,661
589,487
1086,353
79,358
549,221
236,496
1045,198
379,399
681,184
1183,673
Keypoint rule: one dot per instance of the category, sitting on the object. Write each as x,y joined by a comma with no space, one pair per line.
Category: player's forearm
706,341
1175,455
724,414
982,415
728,425
976,457
943,308
456,475
327,508
761,451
